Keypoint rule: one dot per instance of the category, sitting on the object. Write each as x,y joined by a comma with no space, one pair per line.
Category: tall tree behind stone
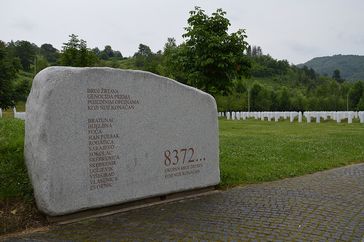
213,57
76,53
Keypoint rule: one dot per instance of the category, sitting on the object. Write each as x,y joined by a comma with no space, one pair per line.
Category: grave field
253,151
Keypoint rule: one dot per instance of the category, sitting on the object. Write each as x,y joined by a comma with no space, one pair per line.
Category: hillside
351,67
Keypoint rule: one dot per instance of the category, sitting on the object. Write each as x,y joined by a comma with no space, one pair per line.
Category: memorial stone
96,137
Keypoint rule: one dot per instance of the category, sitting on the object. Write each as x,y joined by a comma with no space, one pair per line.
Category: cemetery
80,127
204,138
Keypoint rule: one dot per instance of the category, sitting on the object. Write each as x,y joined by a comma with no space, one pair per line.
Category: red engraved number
184,155
176,157
192,153
167,158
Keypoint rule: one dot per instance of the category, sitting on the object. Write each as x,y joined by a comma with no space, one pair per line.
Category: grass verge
17,208
255,151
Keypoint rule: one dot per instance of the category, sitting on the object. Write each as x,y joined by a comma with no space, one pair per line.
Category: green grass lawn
254,151
13,174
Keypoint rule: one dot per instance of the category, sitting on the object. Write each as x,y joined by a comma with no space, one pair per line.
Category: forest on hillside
351,67
239,75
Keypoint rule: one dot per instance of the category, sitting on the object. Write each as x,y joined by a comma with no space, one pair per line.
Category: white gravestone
269,117
318,117
291,117
276,116
338,117
350,118
308,117
361,117
99,136
300,117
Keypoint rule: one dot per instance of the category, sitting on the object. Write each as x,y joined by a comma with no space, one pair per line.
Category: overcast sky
296,30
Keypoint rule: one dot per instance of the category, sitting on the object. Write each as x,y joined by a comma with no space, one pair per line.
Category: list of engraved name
102,138
102,157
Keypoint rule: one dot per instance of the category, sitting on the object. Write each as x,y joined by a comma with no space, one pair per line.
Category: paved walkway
324,206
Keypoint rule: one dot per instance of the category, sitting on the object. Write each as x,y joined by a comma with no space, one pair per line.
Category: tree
213,57
360,106
97,51
26,52
146,60
356,93
40,63
240,87
21,90
107,53
50,53
256,51
118,54
8,69
171,65
76,53
336,76
284,100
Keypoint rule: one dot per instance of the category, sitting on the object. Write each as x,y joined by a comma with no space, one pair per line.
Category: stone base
105,211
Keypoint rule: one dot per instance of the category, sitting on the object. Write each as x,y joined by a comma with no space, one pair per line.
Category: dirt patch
18,215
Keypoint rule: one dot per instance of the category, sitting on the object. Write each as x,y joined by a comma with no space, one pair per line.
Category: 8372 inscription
181,162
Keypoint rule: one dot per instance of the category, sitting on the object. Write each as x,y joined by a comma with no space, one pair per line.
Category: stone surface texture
101,136
325,206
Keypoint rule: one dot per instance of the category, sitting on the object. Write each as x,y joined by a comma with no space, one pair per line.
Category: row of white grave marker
20,115
309,115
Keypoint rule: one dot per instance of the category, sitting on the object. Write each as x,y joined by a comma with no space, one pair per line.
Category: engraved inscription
102,158
109,99
101,138
181,162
